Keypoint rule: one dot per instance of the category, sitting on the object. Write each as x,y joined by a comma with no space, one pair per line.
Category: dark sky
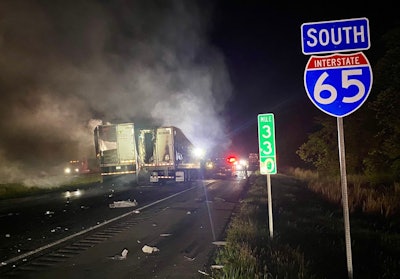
207,67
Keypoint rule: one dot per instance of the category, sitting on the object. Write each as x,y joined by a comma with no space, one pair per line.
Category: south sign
335,36
338,84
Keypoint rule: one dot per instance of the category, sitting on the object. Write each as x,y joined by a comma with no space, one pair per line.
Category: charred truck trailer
115,147
165,153
155,154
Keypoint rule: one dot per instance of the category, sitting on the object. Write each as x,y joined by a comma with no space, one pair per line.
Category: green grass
308,238
15,190
250,252
363,196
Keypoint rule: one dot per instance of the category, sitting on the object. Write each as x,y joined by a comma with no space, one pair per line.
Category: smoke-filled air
67,66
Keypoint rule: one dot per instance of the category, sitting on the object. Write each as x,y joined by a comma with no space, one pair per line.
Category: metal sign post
270,220
345,201
338,84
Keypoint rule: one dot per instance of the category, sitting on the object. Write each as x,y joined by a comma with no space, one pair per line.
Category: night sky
207,67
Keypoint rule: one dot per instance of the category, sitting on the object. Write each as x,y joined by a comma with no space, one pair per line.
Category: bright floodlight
198,152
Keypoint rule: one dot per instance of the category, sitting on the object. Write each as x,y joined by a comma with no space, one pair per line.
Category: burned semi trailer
166,154
115,147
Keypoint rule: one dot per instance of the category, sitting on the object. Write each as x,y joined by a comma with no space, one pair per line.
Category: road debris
219,243
127,203
217,266
189,258
123,255
202,272
149,250
165,234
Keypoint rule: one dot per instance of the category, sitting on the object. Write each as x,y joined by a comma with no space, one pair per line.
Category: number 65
346,83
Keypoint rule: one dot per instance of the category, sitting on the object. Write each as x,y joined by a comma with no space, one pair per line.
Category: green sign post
266,138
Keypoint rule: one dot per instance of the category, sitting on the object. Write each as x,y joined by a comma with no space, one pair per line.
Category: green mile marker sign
266,141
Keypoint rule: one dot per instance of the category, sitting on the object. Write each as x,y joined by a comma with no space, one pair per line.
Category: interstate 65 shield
338,84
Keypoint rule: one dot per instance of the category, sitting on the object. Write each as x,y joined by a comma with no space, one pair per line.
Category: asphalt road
173,238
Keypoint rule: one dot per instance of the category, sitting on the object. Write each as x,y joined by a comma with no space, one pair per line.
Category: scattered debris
189,259
148,249
48,212
123,255
204,273
219,243
127,203
165,234
137,211
8,235
188,213
217,266
154,224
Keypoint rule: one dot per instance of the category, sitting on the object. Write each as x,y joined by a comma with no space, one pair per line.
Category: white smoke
67,66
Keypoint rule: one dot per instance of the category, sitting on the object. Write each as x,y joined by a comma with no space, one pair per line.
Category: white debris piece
48,212
219,243
217,266
189,258
148,249
127,203
123,255
165,234
204,273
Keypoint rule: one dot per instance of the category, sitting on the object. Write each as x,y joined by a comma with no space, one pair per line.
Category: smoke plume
65,66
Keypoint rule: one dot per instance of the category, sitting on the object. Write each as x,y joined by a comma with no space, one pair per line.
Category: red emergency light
231,159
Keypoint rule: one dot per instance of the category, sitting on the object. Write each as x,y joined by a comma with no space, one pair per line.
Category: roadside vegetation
250,252
364,196
308,239
16,190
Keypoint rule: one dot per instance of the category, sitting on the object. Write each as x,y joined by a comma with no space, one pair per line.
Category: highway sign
338,84
266,136
335,36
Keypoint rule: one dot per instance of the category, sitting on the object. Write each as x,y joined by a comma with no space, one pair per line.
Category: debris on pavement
219,243
127,203
204,273
165,234
189,258
149,250
123,255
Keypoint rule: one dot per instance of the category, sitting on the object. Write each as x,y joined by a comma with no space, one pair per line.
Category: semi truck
155,154
115,147
165,153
